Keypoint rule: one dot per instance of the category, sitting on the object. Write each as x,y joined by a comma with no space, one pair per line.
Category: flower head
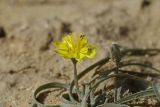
75,48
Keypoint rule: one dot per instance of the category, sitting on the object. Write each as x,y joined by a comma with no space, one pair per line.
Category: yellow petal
81,41
63,53
91,52
60,45
81,56
68,40
84,50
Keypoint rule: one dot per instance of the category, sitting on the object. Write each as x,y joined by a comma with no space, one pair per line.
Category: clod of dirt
2,32
65,28
134,85
145,3
124,31
48,41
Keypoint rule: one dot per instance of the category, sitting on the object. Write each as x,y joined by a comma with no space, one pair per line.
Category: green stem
76,77
81,74
116,87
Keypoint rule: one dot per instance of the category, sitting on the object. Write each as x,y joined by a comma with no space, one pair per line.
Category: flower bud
115,53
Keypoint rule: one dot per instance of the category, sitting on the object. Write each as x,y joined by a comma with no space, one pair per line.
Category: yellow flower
75,48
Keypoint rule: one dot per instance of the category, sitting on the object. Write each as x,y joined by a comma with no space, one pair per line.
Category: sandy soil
27,59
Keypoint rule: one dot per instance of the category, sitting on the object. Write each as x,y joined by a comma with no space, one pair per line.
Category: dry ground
27,59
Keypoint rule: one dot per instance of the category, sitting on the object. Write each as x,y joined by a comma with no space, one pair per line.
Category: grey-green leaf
112,105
